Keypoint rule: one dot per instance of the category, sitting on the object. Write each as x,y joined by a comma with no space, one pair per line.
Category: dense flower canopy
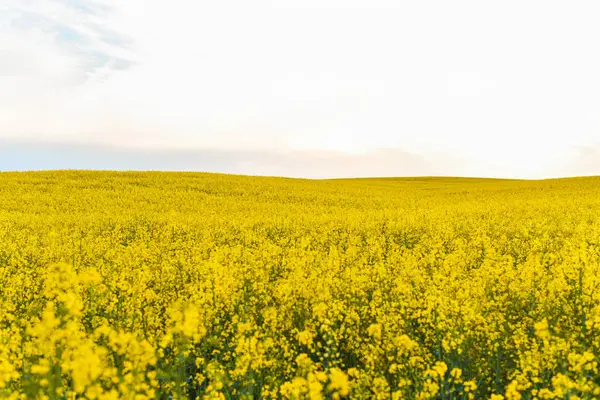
173,285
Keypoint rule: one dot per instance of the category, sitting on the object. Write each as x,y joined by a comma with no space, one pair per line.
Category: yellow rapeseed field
187,285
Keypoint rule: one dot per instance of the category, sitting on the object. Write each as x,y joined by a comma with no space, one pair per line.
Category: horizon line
187,172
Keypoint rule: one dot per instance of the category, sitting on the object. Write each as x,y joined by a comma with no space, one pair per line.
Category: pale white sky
372,87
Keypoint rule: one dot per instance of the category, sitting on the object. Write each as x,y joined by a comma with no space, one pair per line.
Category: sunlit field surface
181,285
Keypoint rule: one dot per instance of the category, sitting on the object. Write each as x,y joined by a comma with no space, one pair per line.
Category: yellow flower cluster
184,285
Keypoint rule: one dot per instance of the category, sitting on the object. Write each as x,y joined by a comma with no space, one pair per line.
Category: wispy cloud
80,32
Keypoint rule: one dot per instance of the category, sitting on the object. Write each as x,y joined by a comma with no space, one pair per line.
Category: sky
302,88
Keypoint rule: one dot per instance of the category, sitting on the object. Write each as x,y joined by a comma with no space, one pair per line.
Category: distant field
184,285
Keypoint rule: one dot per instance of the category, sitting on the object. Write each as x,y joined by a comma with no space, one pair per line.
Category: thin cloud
78,31
300,164
585,160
